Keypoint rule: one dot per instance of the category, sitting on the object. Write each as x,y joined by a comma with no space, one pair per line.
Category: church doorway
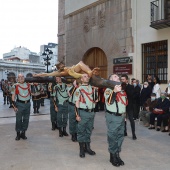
95,57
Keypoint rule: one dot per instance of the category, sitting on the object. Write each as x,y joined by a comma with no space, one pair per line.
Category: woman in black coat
145,93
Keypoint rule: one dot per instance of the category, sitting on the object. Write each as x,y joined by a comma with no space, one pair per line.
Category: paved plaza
45,150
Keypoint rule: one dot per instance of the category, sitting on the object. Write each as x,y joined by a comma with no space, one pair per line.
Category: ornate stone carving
86,24
101,18
93,21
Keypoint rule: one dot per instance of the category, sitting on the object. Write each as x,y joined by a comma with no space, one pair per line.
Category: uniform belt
87,110
114,113
21,101
71,103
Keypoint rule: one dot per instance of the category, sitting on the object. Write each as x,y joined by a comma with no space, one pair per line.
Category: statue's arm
55,73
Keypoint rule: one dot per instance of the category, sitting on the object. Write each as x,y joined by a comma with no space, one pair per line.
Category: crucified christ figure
75,71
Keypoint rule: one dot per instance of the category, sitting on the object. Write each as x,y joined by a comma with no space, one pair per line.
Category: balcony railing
160,14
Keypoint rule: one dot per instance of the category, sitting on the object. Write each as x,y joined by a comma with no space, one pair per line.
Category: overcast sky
27,23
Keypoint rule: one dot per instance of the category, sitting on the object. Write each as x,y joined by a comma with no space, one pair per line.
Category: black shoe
114,160
23,135
88,149
53,126
158,129
38,111
10,107
64,132
82,153
119,159
7,103
18,136
42,104
134,137
151,128
4,103
165,130
60,132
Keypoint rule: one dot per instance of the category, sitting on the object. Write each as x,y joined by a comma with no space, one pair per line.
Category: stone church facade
101,28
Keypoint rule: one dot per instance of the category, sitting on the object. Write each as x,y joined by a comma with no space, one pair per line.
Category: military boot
56,125
73,137
23,135
82,153
34,111
111,157
38,110
64,132
18,136
60,132
88,149
119,159
114,160
53,126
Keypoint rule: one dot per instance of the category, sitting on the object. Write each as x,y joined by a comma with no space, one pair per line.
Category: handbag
158,112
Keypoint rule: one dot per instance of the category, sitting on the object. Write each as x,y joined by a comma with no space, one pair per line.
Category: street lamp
47,57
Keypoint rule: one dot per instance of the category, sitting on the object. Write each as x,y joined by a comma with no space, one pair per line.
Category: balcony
160,14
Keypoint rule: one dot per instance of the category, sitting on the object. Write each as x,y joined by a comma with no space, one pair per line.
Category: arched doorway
29,75
95,57
11,77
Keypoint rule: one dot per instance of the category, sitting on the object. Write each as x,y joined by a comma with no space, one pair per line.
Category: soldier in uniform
71,108
43,93
5,88
21,91
85,104
36,96
53,105
10,93
116,102
62,107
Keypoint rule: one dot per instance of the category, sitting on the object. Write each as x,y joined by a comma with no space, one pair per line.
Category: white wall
73,5
143,33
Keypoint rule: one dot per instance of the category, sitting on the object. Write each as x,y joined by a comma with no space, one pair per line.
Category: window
155,60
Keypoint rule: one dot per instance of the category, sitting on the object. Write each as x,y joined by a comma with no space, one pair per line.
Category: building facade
95,32
10,69
100,32
23,54
20,60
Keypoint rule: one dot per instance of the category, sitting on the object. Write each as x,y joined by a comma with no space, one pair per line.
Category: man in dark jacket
148,108
129,108
136,100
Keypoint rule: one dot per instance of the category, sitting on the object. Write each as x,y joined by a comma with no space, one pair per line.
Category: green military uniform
10,94
62,115
115,117
5,87
53,103
85,94
36,97
43,93
72,115
22,92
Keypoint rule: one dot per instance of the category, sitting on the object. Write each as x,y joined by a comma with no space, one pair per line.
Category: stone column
61,30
